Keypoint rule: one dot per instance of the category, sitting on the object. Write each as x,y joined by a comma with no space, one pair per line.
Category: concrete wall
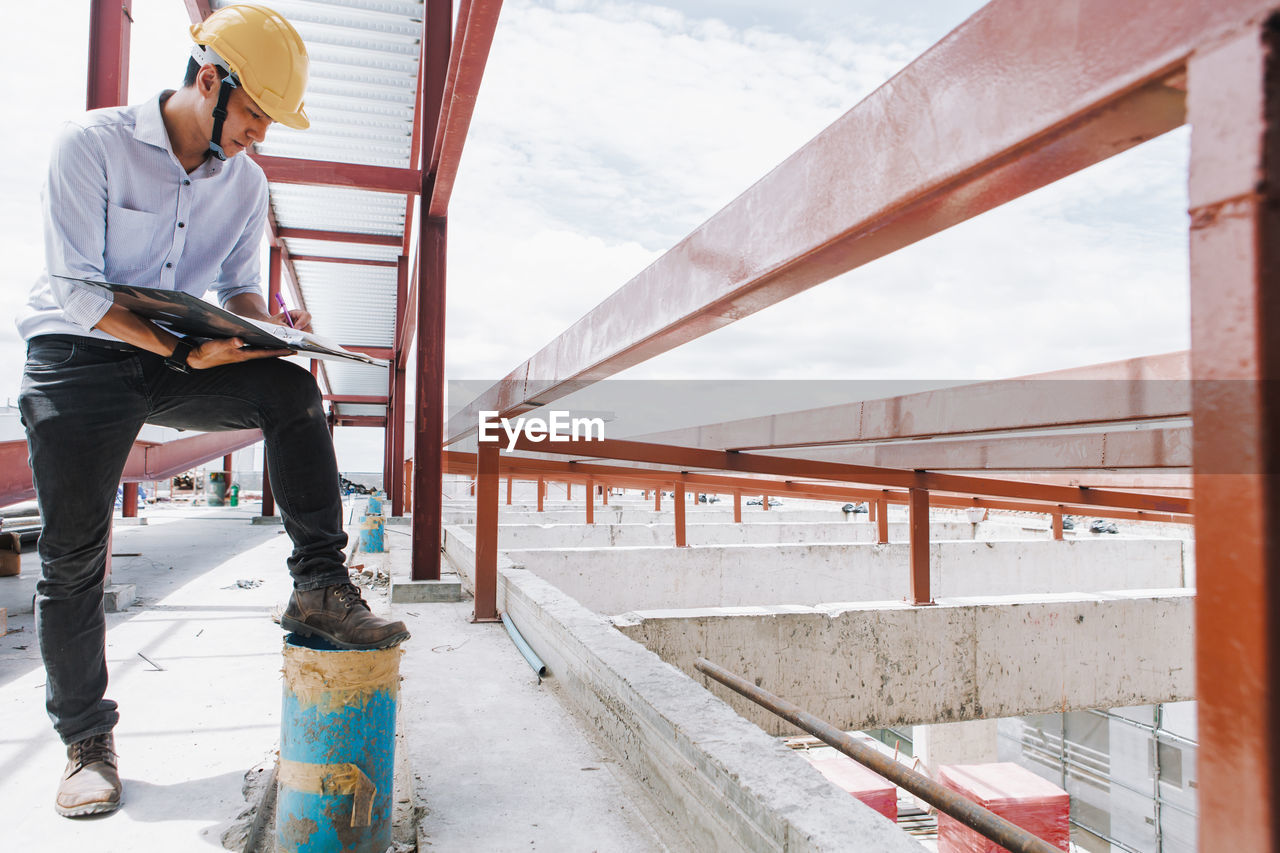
889,664
615,580
727,783
521,536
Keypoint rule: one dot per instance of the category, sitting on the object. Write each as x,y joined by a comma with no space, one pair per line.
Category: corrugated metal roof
361,100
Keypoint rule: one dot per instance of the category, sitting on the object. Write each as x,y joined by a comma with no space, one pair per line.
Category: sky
605,131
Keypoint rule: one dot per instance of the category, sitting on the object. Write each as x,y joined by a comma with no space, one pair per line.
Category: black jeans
83,402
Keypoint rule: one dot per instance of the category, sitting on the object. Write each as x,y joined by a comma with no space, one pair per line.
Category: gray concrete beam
888,663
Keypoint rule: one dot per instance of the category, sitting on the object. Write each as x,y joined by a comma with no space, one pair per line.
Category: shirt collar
149,128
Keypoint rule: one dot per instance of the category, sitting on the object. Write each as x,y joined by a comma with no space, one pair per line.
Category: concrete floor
501,764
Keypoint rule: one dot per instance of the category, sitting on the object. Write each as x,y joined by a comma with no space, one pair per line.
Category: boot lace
92,750
349,595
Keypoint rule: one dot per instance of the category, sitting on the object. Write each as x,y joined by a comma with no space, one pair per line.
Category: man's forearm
127,326
250,305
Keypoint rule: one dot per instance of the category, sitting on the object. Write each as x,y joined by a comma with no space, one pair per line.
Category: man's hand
301,319
228,351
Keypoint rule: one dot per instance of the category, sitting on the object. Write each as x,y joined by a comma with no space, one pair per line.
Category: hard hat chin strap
220,115
206,56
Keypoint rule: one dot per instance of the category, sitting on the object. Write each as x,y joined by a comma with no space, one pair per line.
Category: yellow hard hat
264,52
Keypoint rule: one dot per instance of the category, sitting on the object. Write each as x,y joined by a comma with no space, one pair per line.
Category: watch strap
178,359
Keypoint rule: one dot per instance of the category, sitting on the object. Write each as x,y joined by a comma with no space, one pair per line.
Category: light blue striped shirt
119,207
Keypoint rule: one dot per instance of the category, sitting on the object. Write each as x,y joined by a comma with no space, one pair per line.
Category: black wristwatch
178,360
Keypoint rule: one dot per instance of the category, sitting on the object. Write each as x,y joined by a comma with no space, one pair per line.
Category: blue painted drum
337,748
371,526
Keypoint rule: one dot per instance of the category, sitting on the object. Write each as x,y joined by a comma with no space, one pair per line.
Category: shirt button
182,225
168,266
186,182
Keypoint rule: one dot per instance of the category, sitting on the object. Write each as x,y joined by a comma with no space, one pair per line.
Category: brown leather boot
338,614
90,784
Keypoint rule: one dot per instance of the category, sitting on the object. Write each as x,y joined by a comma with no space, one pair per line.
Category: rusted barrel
337,748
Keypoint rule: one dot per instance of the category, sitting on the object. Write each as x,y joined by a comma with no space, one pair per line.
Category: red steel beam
918,537
464,463
882,519
357,399
1149,388
682,536
429,409
328,173
1162,447
161,461
110,22
486,570
15,475
326,259
693,458
359,420
396,378
477,21
949,137
1234,106
338,236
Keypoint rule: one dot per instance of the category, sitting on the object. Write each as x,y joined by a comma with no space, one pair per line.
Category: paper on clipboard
190,315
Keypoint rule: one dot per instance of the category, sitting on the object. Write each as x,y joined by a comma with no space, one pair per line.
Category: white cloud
628,125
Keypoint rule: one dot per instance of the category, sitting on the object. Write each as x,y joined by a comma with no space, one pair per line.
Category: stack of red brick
1015,794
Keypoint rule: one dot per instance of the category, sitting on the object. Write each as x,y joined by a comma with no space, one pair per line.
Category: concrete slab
268,520
118,597
135,521
447,588
191,725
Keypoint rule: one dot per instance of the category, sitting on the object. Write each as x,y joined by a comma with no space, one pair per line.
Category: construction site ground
497,761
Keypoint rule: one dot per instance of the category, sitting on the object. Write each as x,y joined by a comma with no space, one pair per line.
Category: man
156,195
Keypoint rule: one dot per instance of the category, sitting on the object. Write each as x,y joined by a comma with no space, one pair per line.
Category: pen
287,318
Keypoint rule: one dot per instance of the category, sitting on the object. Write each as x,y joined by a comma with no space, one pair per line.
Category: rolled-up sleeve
242,270
75,204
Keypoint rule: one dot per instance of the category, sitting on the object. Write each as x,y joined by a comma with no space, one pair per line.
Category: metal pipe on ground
525,649
1008,835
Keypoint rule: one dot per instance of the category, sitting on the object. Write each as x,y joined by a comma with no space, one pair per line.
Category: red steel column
129,501
591,501
108,79
657,499
428,421
508,491
882,520
268,498
542,490
604,490
1233,107
393,432
1056,517
568,491
764,502
680,527
275,264
919,539
428,424
737,507
486,591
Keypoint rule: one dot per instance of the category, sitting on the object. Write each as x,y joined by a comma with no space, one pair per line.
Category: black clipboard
192,316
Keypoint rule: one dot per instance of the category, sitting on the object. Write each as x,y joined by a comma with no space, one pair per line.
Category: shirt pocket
131,239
